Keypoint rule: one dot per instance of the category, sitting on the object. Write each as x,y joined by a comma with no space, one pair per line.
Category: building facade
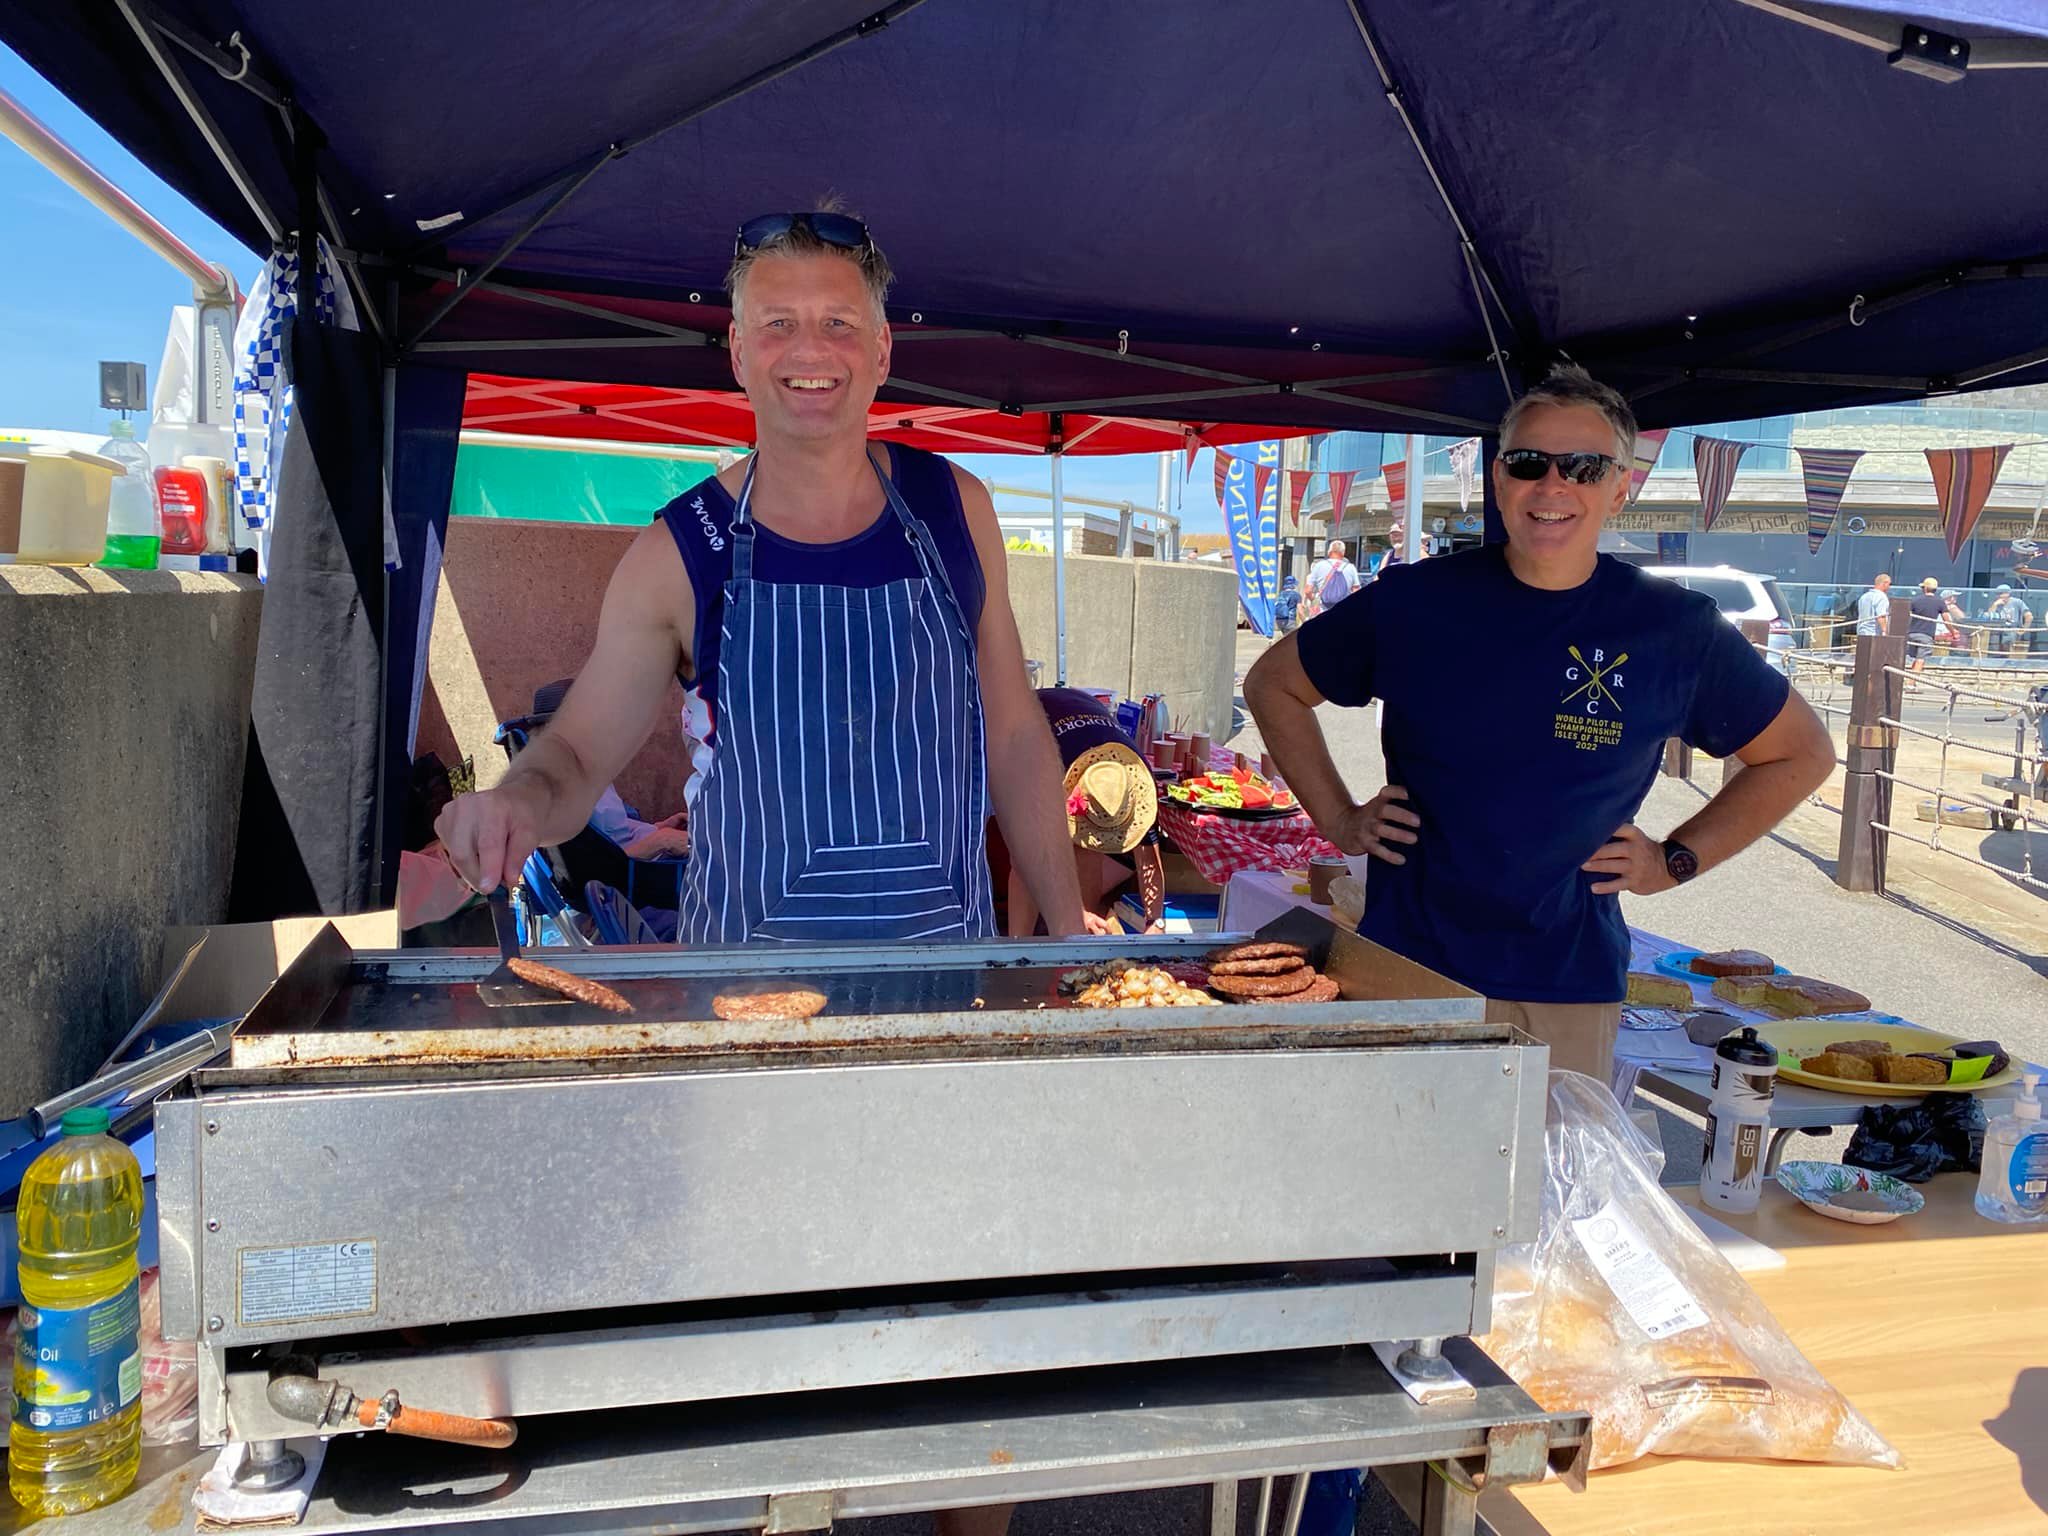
1888,520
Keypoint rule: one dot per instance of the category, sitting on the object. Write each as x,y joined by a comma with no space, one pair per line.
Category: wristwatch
1680,862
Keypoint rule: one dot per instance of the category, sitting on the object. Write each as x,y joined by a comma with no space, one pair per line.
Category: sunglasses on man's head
1573,468
835,229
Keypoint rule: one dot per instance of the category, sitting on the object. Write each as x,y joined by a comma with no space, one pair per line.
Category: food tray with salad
1238,792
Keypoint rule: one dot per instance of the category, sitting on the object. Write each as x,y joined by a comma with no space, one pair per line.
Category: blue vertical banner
1241,522
1255,531
1266,459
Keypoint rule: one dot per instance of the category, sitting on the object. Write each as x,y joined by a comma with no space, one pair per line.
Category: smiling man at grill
1520,747
837,611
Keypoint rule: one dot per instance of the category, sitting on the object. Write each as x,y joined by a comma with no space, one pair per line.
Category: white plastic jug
64,507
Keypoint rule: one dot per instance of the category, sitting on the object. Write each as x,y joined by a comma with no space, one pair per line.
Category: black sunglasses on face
835,229
1573,468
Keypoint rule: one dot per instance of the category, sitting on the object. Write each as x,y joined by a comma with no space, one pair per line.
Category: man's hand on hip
1634,861
1377,826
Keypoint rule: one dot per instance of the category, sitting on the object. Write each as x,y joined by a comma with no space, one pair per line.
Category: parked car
1740,595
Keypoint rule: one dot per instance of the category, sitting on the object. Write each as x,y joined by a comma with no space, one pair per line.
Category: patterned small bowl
1849,1194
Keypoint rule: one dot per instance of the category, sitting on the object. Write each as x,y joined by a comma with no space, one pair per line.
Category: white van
1739,595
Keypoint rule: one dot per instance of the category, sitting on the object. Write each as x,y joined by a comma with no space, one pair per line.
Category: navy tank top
700,520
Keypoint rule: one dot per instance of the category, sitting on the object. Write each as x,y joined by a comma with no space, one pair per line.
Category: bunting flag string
1297,490
1340,493
1714,460
1465,465
1395,472
1963,478
1827,472
1648,446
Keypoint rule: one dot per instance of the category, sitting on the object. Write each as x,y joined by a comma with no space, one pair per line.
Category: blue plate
1676,963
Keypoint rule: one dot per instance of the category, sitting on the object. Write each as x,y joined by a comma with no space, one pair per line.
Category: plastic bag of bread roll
1347,898
1622,1309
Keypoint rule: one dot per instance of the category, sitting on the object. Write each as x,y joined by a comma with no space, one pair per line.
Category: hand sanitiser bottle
2013,1182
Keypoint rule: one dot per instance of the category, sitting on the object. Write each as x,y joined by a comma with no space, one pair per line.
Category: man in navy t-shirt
1522,738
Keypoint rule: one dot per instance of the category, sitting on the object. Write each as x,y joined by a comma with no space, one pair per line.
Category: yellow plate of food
1886,1051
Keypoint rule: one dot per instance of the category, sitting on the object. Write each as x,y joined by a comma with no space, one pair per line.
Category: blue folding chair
558,876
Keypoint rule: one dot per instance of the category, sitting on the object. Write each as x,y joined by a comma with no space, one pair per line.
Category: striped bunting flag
1297,490
1827,472
1714,460
1963,478
1222,474
1648,446
1395,472
1340,494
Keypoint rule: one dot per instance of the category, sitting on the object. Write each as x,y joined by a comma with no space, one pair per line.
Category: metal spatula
502,989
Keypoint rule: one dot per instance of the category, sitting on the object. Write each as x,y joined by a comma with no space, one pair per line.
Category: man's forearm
1024,784
549,773
1760,797
1294,739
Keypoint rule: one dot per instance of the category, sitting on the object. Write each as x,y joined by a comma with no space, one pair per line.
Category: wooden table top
1936,1328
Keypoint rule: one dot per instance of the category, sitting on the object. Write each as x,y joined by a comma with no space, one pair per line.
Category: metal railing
1874,700
1863,694
1975,630
2026,790
19,124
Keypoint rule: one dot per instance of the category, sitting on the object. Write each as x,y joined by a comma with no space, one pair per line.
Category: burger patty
1281,986
799,1003
1276,965
576,988
1256,951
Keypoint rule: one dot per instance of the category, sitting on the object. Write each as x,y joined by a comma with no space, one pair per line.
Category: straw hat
1112,799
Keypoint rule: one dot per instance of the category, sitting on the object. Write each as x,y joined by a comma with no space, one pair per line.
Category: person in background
668,838
2006,618
1333,578
1397,541
1287,606
1112,809
1928,612
1573,670
1874,608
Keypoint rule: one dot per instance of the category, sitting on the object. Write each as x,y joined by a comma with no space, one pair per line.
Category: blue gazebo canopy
1344,212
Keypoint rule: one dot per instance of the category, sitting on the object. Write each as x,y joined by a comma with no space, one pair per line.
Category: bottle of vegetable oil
76,1440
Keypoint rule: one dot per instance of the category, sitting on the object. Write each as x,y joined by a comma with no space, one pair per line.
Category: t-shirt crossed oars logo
1593,677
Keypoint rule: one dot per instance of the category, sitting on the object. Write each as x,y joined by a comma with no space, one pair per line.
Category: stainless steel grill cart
756,1274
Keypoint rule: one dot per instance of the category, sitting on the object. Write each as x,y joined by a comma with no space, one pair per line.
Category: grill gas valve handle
329,1405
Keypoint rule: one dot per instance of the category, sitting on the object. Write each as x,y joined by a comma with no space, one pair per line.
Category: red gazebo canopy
646,413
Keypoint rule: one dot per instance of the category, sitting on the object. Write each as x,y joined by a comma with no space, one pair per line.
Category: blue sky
76,289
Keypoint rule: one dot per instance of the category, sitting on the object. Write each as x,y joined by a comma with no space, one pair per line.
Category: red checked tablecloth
1220,846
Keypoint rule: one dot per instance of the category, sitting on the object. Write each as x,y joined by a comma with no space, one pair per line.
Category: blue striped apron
847,796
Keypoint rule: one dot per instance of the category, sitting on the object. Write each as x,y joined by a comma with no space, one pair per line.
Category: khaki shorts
1580,1035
